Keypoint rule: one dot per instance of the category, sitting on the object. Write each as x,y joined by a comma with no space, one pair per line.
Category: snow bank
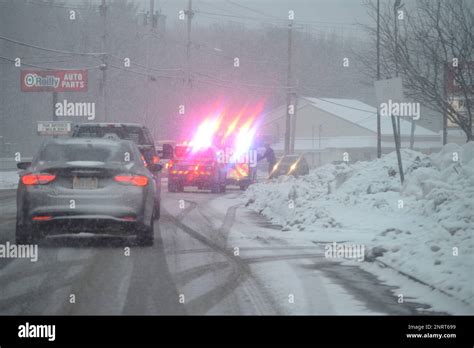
8,179
424,228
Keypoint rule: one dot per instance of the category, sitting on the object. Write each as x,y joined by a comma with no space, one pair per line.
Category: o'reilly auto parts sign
54,80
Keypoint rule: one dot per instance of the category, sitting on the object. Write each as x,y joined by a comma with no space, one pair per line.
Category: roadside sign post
53,81
53,128
391,90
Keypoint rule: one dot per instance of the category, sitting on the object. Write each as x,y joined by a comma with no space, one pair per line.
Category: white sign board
389,90
54,128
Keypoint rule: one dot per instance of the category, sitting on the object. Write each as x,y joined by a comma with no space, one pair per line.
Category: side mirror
23,165
156,167
168,151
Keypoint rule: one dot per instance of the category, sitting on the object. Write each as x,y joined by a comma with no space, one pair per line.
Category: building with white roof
326,128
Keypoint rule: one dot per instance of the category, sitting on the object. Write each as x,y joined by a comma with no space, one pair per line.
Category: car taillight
128,179
169,164
37,179
156,159
42,218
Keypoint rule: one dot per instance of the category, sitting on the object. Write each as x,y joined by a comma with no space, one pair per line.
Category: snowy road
211,256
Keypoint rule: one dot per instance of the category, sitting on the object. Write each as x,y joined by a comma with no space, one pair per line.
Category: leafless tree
434,47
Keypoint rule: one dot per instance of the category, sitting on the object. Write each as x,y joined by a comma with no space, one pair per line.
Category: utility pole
288,91
379,131
103,12
55,100
396,133
293,124
151,22
396,6
189,14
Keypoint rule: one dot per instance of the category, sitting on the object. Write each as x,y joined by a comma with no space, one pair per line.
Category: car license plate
85,183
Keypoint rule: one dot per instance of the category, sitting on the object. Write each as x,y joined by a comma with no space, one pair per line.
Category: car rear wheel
172,186
243,187
157,211
25,236
215,187
146,235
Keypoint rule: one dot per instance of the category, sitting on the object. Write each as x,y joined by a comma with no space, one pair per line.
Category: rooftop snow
363,115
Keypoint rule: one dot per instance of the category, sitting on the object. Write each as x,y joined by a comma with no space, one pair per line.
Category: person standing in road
270,156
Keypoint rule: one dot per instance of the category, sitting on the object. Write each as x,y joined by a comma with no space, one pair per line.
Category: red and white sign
53,80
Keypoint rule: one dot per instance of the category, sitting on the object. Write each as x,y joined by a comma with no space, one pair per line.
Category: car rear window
289,160
85,152
135,134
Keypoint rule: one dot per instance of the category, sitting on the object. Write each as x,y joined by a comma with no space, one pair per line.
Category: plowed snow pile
8,179
424,228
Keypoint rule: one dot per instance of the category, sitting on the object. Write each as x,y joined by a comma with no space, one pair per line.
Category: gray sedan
85,185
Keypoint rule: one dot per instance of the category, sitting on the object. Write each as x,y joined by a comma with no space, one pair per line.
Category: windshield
289,160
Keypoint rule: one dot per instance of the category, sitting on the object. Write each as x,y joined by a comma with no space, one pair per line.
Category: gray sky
338,15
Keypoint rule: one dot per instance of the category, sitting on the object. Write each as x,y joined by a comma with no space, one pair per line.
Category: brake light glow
135,180
42,218
37,179
129,218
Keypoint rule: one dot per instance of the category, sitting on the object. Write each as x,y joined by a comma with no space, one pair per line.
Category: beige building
326,128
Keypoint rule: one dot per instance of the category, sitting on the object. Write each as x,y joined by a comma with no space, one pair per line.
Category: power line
242,83
51,4
251,9
50,49
208,50
245,84
142,73
49,68
148,68
281,20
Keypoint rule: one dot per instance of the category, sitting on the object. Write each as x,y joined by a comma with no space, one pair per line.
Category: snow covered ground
423,229
8,179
